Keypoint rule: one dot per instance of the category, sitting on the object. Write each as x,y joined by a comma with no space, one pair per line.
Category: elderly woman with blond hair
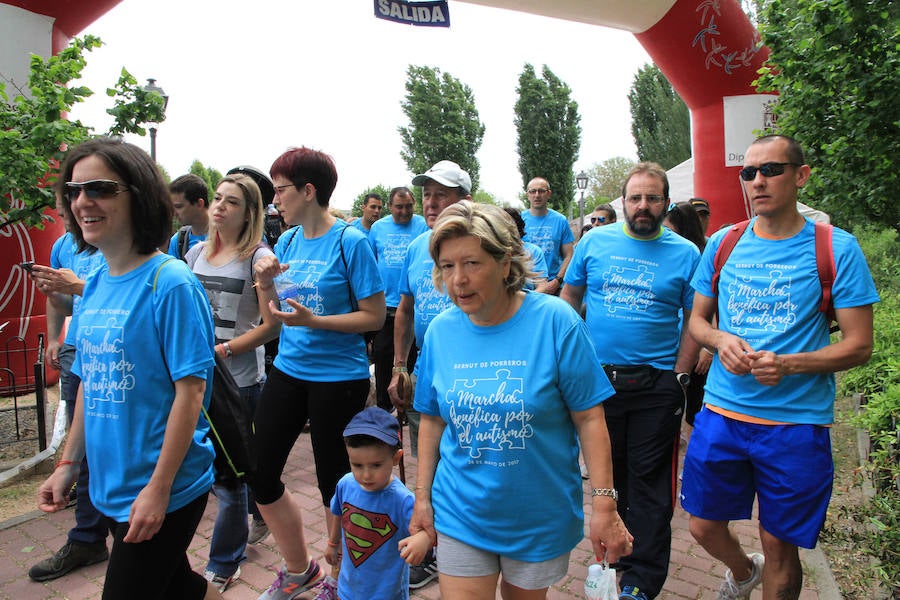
498,479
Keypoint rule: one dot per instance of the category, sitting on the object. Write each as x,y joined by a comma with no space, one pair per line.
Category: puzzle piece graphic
105,343
761,303
308,282
627,289
489,413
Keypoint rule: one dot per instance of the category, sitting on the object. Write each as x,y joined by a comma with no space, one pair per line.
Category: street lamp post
152,87
581,180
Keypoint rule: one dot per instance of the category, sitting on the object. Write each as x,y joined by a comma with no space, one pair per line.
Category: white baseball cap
448,173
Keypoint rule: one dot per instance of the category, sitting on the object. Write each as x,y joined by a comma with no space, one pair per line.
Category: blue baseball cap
377,423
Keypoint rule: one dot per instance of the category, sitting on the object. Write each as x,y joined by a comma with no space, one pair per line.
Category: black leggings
283,409
162,559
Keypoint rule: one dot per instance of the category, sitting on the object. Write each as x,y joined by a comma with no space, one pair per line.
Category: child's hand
333,554
414,548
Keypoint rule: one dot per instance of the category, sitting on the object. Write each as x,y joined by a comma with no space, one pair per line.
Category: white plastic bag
601,583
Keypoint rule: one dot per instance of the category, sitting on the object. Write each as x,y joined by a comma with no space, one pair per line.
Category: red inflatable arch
708,50
40,27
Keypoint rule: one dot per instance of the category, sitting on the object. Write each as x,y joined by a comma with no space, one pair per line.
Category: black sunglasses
94,189
598,219
770,169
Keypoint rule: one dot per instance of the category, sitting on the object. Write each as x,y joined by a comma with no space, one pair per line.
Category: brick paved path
692,574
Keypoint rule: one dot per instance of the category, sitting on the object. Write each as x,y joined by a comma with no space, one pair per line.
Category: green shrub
883,516
882,252
879,380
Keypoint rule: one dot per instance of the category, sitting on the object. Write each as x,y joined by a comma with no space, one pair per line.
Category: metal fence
23,423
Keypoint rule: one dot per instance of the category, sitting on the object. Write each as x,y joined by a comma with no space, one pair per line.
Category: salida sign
423,14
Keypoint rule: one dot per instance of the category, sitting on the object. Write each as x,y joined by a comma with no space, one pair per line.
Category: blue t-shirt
509,447
539,264
132,344
65,255
389,242
316,266
372,523
193,240
416,281
635,290
62,252
551,232
769,295
359,225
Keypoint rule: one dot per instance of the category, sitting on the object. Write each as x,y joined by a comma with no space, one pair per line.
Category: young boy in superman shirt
375,509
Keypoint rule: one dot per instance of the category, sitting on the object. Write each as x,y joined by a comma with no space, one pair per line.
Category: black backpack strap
253,258
353,304
184,241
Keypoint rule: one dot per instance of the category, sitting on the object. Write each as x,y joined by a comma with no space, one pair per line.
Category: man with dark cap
702,208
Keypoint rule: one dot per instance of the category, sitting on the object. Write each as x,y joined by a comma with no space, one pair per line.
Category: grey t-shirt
235,307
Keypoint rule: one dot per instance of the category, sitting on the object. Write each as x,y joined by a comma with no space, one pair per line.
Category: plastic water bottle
595,583
286,288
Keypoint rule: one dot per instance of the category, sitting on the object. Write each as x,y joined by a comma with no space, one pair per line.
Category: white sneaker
258,532
221,583
740,590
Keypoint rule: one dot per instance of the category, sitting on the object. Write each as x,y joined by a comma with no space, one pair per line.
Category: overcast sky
248,80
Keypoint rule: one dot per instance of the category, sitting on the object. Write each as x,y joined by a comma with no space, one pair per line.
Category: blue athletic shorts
788,468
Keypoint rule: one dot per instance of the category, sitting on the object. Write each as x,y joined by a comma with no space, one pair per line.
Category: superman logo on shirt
364,531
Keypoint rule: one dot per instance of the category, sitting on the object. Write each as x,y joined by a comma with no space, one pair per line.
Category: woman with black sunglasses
144,340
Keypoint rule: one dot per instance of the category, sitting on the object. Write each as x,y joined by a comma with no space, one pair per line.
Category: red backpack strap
724,251
825,267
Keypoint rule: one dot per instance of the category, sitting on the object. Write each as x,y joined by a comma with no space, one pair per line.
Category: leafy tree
660,122
34,137
549,133
607,177
208,174
484,197
443,122
835,65
380,189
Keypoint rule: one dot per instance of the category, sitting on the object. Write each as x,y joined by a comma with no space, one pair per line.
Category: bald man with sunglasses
763,433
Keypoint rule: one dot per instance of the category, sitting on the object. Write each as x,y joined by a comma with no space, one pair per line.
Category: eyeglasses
651,198
279,188
598,219
94,189
770,169
535,191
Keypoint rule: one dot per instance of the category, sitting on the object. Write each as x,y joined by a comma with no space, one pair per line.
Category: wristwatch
683,379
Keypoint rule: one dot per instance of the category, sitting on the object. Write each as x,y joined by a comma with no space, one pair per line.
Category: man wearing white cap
420,302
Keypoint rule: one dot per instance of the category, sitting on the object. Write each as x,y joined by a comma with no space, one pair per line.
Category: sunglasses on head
598,219
770,169
94,189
